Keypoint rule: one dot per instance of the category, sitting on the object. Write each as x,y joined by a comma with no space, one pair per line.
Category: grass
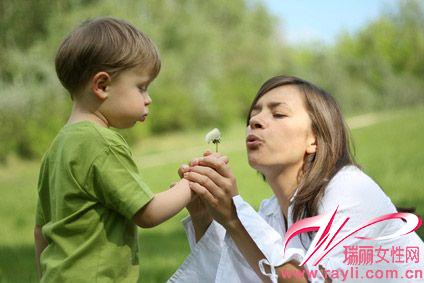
390,151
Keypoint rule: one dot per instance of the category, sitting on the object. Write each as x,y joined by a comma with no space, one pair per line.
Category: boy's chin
126,125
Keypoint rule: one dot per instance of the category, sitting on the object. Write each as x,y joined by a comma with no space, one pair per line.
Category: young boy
91,195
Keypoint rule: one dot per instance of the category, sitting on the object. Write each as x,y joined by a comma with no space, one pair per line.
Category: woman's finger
207,152
204,181
217,155
195,161
219,180
203,194
218,164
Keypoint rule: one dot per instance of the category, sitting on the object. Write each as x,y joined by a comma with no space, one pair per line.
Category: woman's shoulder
352,188
351,181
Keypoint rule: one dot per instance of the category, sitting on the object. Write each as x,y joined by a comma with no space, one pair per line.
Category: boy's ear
100,83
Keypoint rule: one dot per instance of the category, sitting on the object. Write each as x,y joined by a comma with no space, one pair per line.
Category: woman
297,139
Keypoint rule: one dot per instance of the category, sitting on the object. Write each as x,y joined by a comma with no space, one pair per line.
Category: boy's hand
196,208
183,168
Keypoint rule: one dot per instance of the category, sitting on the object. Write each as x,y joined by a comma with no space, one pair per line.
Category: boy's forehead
143,72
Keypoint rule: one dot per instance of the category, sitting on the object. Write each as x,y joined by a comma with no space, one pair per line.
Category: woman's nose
256,123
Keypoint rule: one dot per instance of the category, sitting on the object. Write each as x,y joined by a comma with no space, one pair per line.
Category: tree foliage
215,56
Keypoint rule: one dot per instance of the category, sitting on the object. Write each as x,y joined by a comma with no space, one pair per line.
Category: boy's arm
40,245
164,205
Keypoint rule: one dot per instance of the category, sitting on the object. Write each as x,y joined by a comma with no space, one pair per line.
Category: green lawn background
389,150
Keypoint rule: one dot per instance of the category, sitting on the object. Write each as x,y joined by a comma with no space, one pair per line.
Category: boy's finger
207,152
211,173
183,168
205,182
218,164
203,193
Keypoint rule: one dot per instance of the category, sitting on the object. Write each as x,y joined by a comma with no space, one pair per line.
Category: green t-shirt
89,188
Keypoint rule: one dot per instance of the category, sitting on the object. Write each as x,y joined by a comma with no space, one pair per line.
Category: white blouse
216,258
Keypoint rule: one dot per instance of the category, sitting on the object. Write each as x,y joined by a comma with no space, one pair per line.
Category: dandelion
214,136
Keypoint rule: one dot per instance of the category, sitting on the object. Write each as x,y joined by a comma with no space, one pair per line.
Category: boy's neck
80,113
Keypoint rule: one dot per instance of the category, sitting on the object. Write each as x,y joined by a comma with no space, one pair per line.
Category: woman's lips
253,141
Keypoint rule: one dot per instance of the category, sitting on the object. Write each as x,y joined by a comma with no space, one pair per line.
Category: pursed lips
253,141
143,117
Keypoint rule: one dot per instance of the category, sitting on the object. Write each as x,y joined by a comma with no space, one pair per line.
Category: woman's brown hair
332,138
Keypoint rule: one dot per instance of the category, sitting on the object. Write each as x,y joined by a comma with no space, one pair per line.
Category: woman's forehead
288,96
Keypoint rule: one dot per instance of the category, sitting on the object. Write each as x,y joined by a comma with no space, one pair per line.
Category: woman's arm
292,271
213,181
200,217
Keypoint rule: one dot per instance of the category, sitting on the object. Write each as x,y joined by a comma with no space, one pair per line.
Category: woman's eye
278,115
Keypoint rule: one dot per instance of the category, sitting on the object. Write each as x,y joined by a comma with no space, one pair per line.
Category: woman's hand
212,180
196,207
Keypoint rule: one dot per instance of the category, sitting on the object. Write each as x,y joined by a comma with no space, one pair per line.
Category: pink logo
323,224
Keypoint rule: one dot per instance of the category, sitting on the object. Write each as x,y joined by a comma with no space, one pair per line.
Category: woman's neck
284,183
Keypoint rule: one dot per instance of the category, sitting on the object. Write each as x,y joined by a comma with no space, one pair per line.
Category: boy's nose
148,99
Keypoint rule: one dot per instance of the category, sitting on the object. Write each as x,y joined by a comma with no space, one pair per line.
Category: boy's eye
142,88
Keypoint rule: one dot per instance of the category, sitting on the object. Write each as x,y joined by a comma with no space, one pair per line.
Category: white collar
273,207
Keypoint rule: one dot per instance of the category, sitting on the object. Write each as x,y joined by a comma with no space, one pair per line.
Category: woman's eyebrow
273,105
257,106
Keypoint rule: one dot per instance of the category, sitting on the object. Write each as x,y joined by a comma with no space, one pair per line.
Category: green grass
390,152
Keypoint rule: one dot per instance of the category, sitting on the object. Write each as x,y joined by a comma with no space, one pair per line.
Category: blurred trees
380,66
215,56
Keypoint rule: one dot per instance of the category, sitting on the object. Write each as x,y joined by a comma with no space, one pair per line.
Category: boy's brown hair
103,44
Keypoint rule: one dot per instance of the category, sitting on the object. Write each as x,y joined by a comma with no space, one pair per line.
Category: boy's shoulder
85,139
90,131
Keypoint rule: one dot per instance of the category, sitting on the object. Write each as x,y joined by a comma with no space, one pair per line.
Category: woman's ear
312,144
100,84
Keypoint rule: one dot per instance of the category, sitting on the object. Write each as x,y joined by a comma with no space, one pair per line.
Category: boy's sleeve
39,216
117,182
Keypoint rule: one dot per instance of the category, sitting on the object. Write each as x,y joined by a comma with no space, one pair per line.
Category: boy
91,195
